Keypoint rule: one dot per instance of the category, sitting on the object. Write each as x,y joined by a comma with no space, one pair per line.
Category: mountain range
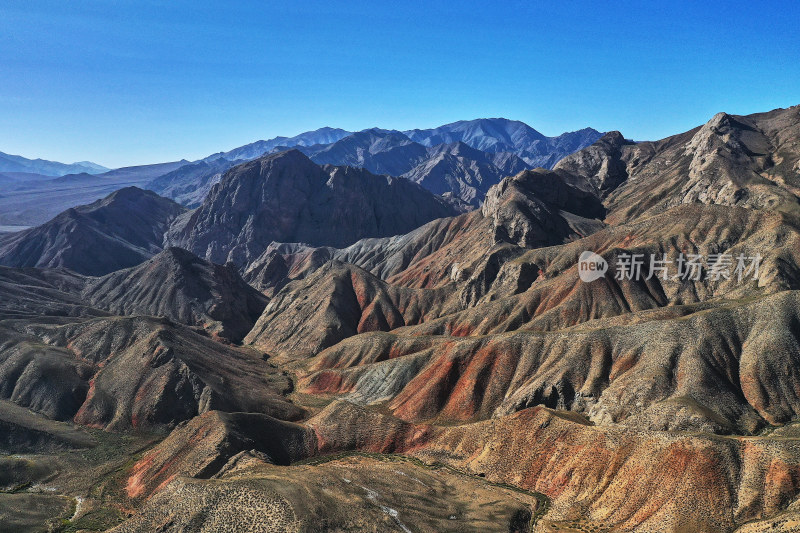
460,160
32,199
17,163
316,345
490,135
477,154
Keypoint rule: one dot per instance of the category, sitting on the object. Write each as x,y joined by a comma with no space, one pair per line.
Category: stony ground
348,494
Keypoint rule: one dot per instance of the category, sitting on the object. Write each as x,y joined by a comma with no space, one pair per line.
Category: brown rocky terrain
349,494
435,371
605,477
335,302
141,372
663,372
598,478
601,167
748,161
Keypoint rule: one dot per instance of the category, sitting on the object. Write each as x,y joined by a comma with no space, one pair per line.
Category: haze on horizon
141,82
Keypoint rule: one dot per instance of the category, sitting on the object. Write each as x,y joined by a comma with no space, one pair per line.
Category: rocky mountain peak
179,285
726,132
528,209
599,166
118,231
286,197
614,138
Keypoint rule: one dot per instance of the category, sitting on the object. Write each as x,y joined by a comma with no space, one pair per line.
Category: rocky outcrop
529,210
601,165
745,161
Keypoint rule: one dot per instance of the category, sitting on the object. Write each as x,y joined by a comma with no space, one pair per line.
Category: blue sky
123,82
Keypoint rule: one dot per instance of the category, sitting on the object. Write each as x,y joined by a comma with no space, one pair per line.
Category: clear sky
129,82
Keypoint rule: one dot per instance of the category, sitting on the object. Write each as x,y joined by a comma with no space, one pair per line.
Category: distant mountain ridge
488,149
379,151
256,149
17,163
189,184
494,135
33,199
459,161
